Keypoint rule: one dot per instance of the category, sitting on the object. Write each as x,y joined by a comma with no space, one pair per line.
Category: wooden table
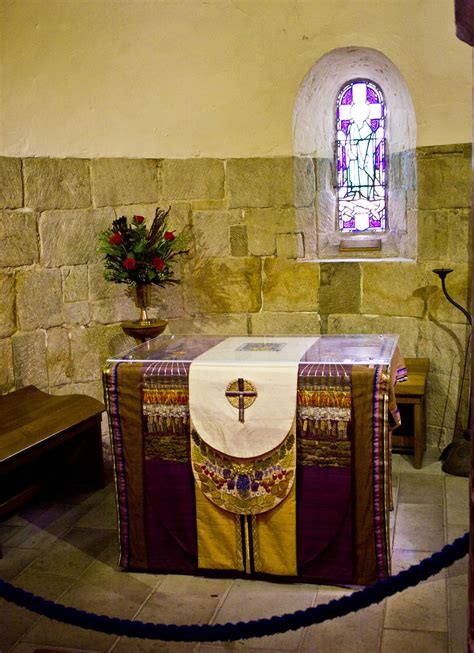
43,437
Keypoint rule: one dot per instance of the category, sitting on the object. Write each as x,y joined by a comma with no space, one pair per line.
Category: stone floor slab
356,632
423,607
257,599
419,526
410,641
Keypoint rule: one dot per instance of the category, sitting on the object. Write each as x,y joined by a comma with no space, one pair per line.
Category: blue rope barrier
242,630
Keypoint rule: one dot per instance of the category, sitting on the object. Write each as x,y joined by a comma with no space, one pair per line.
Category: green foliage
137,255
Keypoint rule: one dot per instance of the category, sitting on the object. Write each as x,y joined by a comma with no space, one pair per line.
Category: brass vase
143,300
144,328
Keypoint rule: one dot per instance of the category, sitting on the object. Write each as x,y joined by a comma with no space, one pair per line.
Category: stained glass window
361,167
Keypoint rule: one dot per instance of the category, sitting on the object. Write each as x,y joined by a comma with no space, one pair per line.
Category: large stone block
146,210
29,360
340,290
7,305
124,181
324,174
167,302
39,299
408,241
406,327
76,313
109,311
305,222
100,289
222,285
179,217
70,237
444,235
394,289
459,237
326,211
260,182
239,244
444,344
444,181
7,379
75,283
264,224
276,324
177,220
211,232
290,286
220,325
289,245
18,238
58,356
90,348
433,234
91,389
11,184
186,179
402,169
436,436
209,205
304,181
441,402
56,183
397,209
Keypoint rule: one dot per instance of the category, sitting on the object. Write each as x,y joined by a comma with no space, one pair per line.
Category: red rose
115,238
158,263
129,263
138,219
169,235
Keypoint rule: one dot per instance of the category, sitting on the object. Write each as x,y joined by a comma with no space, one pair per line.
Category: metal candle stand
456,455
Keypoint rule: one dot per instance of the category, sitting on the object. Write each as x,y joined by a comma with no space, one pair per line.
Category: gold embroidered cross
241,394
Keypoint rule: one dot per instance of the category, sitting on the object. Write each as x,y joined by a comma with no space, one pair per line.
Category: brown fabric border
129,379
365,554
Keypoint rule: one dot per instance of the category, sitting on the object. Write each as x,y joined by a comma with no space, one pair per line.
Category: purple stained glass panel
345,126
374,124
347,97
372,96
360,152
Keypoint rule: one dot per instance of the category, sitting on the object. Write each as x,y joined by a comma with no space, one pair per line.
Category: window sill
360,244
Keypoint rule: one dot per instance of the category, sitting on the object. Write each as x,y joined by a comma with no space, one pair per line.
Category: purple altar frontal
255,456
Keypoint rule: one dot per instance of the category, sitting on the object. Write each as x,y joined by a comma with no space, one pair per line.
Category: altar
255,456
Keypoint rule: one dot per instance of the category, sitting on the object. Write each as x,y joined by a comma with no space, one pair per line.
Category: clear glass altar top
357,349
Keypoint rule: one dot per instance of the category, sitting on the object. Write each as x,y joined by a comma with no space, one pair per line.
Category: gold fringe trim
166,447
324,453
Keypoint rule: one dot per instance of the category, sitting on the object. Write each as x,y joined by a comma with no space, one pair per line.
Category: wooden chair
411,401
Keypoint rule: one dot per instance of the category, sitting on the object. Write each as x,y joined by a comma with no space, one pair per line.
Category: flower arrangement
136,255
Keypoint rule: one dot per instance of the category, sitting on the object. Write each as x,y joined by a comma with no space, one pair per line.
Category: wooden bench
45,437
411,435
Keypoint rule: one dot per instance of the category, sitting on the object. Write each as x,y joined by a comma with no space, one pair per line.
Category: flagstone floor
64,548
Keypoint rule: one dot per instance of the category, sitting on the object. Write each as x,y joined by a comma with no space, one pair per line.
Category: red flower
158,263
169,235
138,219
129,263
115,238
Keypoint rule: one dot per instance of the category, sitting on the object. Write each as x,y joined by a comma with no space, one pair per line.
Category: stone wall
59,319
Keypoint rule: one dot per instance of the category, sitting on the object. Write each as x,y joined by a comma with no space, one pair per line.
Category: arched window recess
354,120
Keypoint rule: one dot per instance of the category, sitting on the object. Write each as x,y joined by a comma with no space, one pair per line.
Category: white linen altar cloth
271,365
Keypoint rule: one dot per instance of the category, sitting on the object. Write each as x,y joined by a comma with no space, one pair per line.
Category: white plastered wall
206,78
